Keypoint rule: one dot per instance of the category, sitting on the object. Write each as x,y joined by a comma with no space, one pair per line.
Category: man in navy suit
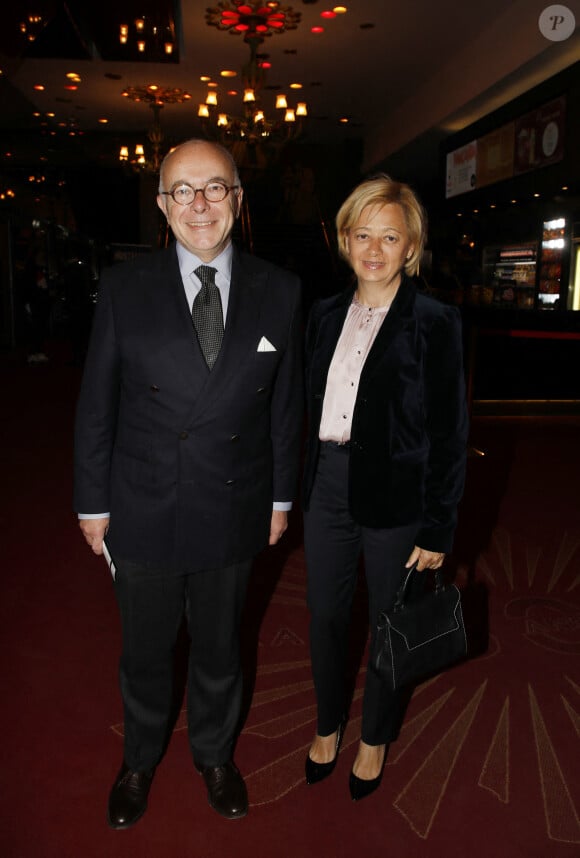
186,463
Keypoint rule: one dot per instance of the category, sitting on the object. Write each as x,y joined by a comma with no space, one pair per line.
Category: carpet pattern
487,760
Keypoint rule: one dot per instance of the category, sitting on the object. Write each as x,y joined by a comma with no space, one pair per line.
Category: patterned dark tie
207,315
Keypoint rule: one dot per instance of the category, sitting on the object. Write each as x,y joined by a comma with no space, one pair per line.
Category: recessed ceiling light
103,121
228,73
295,86
340,10
38,87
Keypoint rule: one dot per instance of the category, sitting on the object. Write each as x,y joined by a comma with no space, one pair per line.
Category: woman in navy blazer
385,458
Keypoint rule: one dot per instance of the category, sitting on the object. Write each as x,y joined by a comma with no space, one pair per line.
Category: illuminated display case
509,276
555,246
530,276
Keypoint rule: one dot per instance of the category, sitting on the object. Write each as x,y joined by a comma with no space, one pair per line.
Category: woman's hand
424,559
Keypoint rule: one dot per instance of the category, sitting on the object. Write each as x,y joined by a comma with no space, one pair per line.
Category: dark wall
105,202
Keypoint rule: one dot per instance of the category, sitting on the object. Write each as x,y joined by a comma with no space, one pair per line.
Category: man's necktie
207,315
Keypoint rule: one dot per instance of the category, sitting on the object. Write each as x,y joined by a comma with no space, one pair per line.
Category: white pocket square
266,346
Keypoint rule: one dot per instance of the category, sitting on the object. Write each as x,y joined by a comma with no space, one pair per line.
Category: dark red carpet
488,762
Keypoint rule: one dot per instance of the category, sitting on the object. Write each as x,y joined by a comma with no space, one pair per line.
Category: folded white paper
266,346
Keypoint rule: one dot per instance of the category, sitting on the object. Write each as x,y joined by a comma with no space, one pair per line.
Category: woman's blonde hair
381,190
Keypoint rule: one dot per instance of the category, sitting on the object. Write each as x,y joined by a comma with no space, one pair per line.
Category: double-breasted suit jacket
187,461
409,426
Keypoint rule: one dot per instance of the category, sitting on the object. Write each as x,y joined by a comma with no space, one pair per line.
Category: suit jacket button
183,436
261,390
235,438
154,388
230,482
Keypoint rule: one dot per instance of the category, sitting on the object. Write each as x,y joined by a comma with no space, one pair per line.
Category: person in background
385,458
37,308
187,444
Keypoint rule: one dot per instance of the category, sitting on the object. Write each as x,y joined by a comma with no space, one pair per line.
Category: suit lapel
247,289
174,314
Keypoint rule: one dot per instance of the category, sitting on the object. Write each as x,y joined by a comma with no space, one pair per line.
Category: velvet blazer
409,425
188,461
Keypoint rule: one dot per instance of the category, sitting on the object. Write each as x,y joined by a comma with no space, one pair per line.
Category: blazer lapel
329,329
397,319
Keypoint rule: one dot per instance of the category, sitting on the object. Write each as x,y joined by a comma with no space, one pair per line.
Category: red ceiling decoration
254,20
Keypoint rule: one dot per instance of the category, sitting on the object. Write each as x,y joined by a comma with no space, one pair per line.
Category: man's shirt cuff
82,515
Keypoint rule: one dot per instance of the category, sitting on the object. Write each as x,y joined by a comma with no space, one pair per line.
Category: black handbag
419,637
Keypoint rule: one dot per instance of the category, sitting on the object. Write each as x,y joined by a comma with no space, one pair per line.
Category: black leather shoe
128,798
316,772
360,788
226,790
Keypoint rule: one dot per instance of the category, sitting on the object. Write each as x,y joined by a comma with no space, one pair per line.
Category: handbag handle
401,596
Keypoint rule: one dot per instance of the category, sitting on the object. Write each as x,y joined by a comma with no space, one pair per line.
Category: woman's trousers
333,545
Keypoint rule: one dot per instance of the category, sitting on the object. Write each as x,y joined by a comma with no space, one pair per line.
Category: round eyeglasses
213,192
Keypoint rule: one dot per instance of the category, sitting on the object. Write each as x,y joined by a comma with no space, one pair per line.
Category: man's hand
424,559
94,531
278,525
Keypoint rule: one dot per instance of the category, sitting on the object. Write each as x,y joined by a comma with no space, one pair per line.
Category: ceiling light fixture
155,96
253,19
252,125
151,39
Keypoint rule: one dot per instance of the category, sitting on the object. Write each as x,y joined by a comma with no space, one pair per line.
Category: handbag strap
401,596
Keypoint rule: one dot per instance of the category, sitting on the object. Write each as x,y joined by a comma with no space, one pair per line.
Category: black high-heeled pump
316,772
360,788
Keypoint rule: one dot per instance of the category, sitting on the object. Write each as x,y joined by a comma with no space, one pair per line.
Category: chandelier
148,37
250,124
148,158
